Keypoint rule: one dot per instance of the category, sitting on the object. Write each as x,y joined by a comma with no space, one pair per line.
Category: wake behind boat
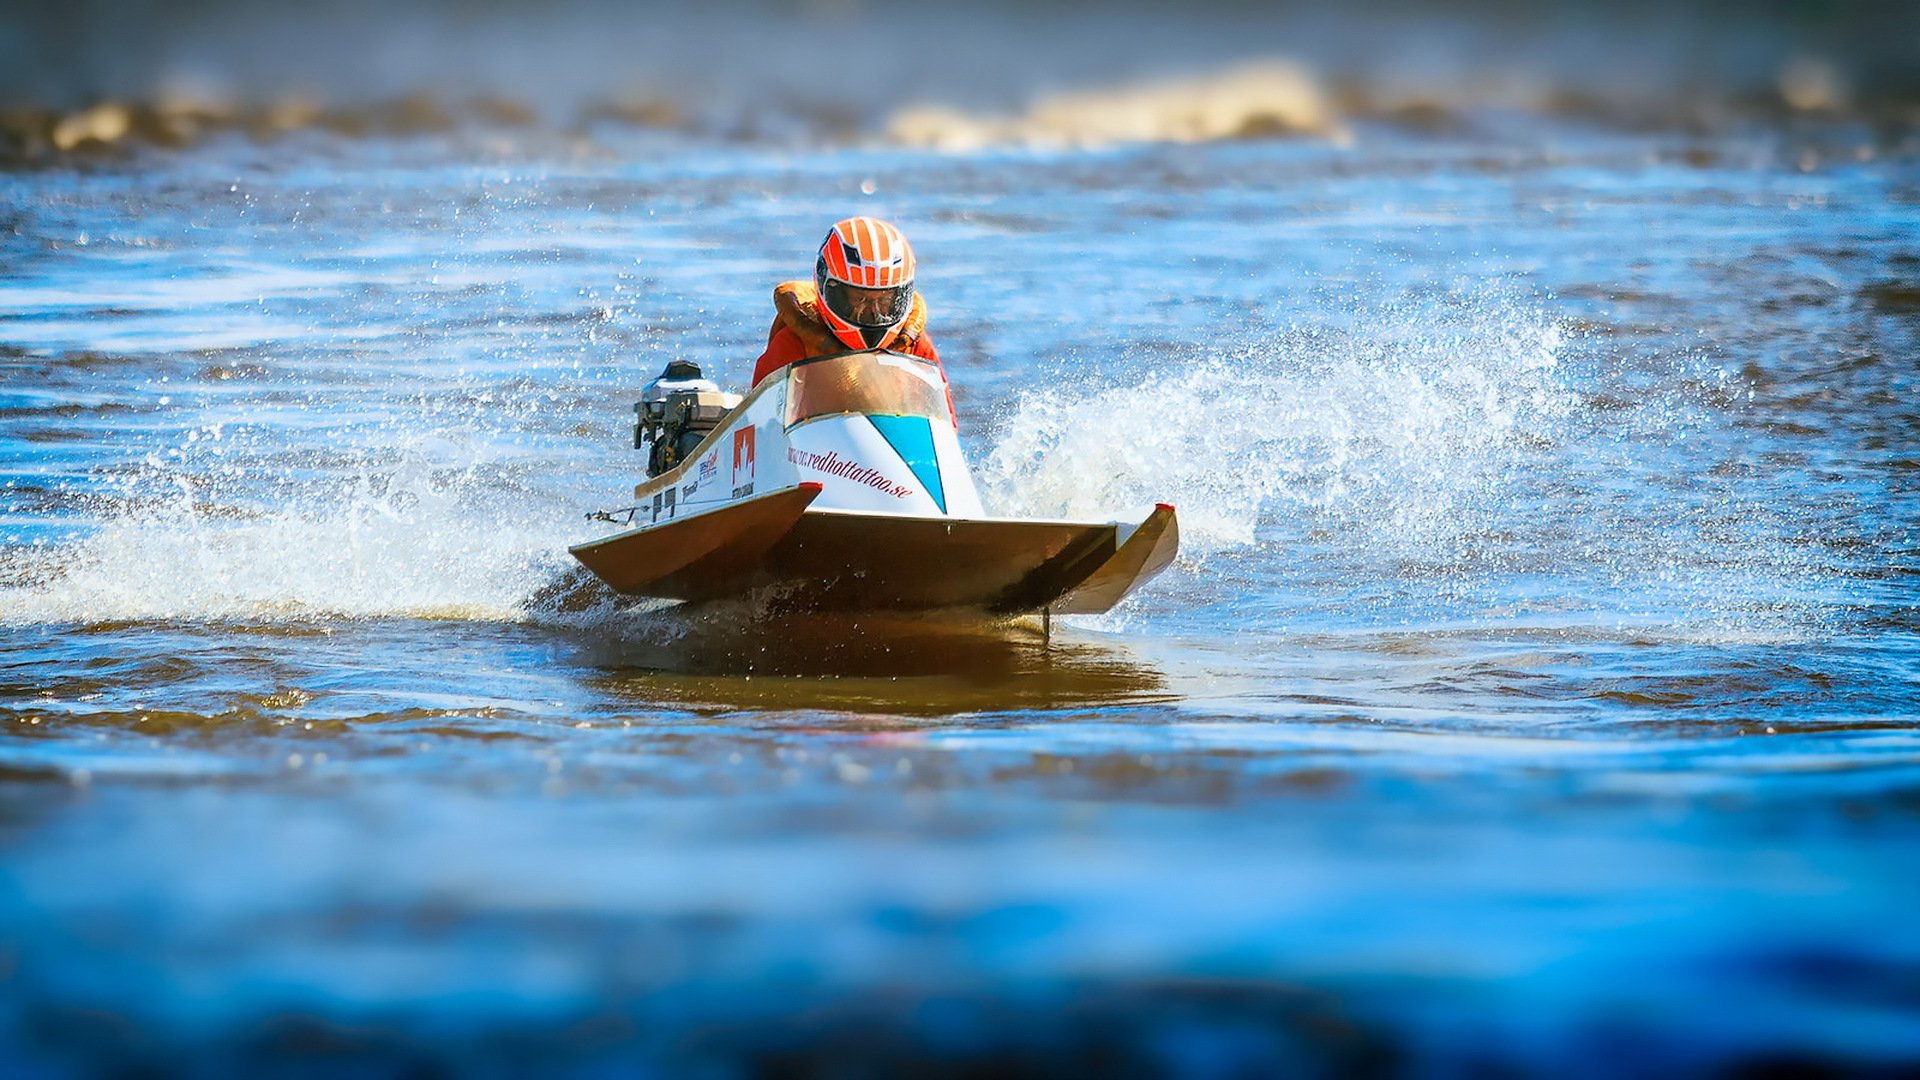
839,484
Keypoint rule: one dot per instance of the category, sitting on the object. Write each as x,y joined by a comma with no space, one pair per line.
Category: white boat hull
840,484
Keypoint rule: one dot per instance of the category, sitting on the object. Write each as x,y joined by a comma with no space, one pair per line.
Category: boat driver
861,297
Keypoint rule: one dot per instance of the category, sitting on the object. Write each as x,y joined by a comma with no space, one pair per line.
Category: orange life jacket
796,306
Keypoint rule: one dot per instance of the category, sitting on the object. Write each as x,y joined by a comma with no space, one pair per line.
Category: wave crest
1254,100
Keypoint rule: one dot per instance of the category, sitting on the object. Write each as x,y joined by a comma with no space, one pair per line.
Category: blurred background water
1535,691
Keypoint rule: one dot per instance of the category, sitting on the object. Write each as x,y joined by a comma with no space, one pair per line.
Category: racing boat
838,484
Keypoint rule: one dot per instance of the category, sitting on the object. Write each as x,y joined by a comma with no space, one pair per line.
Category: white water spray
1401,431
412,536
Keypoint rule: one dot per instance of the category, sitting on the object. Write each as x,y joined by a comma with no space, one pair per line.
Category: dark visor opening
867,307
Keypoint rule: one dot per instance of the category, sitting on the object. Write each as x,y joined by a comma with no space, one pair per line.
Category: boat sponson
1141,556
824,559
688,556
854,560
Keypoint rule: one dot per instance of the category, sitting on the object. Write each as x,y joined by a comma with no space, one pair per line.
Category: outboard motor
675,411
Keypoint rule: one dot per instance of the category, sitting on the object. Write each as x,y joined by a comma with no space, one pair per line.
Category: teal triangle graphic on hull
912,438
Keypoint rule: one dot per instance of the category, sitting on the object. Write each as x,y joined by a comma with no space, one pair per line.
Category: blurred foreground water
1535,691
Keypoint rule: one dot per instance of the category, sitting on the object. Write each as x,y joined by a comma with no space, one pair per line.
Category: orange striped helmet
865,281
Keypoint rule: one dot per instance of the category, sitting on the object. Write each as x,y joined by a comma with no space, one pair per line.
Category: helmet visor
868,307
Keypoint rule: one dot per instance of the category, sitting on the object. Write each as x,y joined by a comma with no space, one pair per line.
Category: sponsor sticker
833,464
743,463
709,467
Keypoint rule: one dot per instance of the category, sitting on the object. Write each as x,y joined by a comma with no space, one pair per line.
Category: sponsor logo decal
743,459
834,465
709,467
663,503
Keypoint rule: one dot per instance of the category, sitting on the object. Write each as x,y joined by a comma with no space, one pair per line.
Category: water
1535,689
